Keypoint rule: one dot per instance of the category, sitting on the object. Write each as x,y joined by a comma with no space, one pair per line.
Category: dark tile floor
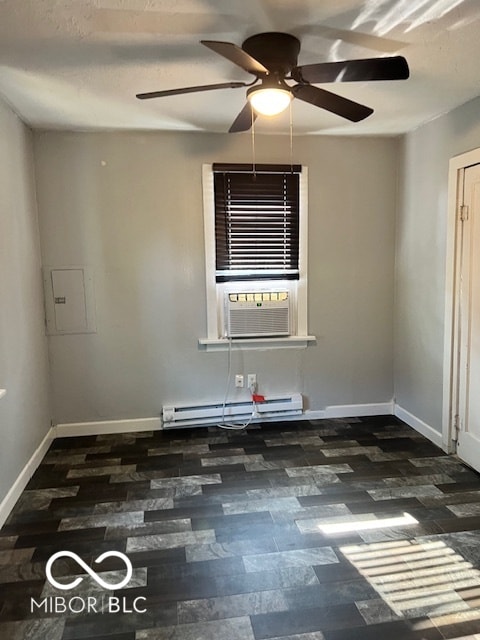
230,537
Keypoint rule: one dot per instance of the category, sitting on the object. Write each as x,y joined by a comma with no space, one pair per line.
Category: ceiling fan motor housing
278,52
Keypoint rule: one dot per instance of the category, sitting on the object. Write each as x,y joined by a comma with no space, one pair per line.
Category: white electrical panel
257,313
69,301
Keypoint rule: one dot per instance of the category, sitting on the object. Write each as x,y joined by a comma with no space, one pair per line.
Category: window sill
222,344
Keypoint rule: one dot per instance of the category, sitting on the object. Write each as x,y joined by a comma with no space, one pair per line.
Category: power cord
232,426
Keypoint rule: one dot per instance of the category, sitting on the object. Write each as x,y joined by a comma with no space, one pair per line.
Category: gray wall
421,255
25,410
129,205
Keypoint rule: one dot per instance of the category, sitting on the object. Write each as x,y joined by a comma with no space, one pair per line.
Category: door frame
456,173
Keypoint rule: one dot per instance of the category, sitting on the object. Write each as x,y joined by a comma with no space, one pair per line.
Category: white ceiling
77,64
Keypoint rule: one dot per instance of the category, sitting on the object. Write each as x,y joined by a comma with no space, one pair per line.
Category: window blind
256,222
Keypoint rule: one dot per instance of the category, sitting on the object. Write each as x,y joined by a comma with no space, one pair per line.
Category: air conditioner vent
256,314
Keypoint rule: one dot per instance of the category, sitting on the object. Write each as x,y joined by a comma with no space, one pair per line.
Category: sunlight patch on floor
420,579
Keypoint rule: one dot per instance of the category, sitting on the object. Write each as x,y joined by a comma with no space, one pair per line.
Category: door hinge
463,212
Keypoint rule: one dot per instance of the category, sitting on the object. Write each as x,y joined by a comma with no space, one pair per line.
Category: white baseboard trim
101,427
313,414
419,425
335,411
67,429
7,504
354,410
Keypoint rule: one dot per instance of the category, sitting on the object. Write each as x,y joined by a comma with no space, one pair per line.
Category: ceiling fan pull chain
291,138
253,145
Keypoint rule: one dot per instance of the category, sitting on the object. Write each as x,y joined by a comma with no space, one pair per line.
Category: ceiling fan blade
331,102
391,68
202,87
244,120
236,55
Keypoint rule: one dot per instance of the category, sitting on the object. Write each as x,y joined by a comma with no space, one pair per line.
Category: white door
468,320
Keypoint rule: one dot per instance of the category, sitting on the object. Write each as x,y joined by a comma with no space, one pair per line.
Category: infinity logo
95,576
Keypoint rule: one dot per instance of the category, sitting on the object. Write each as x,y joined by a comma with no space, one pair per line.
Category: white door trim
457,168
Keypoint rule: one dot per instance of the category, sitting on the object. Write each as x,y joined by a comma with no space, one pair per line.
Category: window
255,225
256,222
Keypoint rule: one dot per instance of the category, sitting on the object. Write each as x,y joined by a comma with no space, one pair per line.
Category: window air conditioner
256,314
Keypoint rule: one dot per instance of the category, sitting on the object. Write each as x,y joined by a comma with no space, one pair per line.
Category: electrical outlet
239,380
251,380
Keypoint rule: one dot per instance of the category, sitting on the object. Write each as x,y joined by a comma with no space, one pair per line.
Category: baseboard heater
274,407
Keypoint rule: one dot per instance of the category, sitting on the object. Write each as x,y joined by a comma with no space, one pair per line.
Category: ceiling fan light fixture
269,101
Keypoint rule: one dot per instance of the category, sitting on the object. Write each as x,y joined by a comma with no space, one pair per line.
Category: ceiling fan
272,58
